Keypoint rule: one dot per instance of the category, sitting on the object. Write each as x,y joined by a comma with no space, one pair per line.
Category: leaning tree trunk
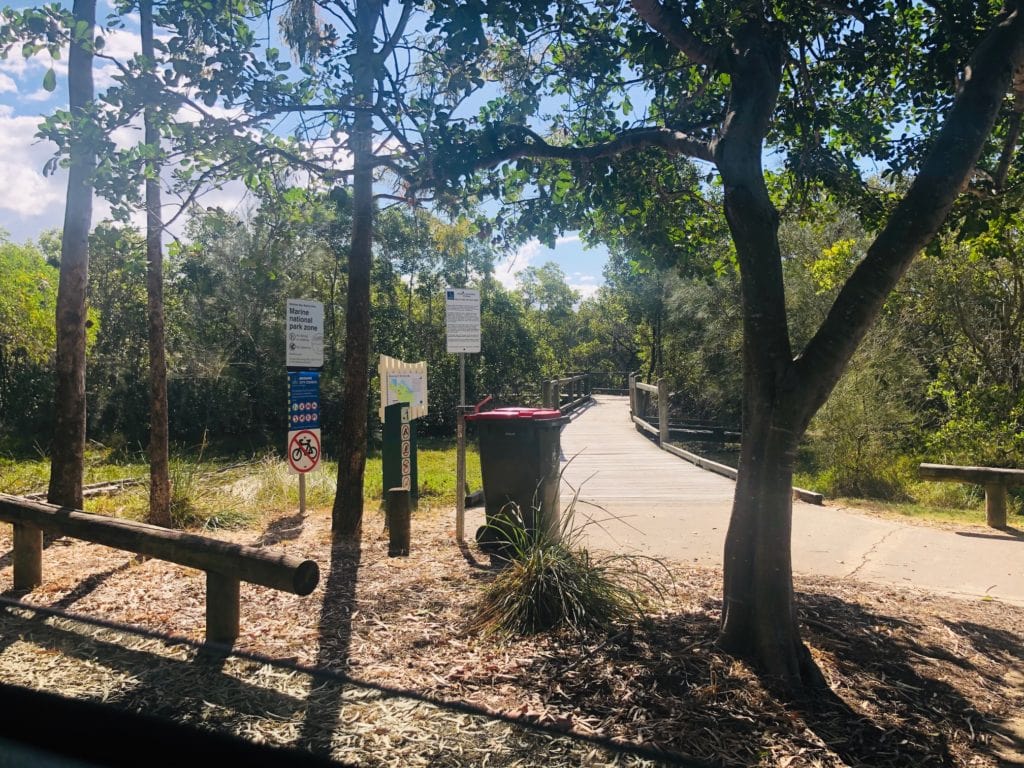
159,452
781,394
759,616
347,514
68,452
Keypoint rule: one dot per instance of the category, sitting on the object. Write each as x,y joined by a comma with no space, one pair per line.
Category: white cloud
25,191
567,239
506,269
7,84
585,290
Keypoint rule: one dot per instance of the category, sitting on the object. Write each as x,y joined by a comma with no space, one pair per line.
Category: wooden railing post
399,522
995,505
28,556
662,412
222,601
632,394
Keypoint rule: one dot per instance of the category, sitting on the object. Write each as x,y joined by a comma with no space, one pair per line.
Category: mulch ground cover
362,669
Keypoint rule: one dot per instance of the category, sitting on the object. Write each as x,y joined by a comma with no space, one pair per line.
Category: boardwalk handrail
576,394
226,564
995,479
639,400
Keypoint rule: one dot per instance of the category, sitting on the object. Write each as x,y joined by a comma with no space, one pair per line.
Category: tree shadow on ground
170,686
324,704
890,704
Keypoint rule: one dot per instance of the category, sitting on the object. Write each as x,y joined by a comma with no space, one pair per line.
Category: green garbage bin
519,461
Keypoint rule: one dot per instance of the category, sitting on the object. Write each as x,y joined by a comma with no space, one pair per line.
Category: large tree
823,88
159,448
67,453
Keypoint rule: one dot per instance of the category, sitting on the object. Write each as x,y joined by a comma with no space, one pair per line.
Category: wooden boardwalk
639,496
603,452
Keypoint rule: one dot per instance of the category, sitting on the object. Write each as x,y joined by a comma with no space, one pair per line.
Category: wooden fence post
662,412
632,394
28,556
995,505
399,522
222,610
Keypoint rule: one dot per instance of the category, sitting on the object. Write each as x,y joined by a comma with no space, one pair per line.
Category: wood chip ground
918,680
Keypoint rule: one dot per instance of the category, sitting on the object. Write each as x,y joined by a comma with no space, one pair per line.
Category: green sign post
399,450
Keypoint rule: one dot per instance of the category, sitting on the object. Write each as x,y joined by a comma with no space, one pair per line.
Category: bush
549,584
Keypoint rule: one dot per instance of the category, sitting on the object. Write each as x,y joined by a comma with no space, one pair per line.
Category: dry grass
918,680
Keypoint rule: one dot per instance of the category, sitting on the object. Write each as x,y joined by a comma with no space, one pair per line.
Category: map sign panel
408,388
462,319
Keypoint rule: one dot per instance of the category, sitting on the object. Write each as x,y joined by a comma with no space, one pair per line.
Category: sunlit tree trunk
159,480
347,513
68,450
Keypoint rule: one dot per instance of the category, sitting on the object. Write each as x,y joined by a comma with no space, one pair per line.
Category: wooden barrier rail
639,402
226,564
577,394
995,479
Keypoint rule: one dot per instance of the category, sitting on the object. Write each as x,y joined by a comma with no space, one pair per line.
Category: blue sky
31,203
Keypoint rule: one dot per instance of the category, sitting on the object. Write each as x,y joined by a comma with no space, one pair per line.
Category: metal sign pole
460,475
462,379
302,494
460,455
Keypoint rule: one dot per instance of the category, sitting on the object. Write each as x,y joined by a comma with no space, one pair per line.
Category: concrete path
645,500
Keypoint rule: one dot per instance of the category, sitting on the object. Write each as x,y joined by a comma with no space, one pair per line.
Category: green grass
962,503
235,492
917,511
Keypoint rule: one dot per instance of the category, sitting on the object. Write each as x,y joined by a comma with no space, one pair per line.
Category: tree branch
671,27
533,146
918,217
389,45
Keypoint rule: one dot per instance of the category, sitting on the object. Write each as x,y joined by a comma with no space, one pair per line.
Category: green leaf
50,80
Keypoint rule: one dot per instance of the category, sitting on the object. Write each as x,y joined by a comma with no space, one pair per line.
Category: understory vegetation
939,378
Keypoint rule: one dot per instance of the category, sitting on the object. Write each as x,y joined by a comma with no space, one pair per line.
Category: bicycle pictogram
304,449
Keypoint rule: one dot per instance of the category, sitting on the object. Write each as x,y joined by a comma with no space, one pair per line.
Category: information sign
462,319
303,449
303,400
304,334
405,387
399,449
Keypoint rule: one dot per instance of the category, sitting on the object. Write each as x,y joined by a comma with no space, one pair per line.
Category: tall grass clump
554,583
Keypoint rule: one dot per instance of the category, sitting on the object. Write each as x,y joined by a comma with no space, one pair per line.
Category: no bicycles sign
303,450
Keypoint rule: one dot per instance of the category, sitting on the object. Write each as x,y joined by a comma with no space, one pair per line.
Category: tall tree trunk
759,616
347,514
159,476
68,452
781,394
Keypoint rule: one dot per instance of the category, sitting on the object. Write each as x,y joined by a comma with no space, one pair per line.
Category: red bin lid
509,414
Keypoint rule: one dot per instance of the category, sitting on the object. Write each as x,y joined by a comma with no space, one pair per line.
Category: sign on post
462,319
304,334
303,450
399,450
402,382
303,420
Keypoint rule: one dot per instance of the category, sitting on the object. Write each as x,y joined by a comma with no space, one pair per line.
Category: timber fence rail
640,397
995,479
567,394
226,564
